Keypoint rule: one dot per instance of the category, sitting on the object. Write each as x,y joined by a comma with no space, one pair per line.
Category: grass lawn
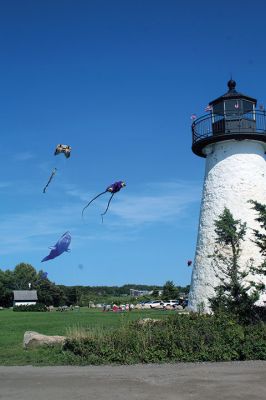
13,325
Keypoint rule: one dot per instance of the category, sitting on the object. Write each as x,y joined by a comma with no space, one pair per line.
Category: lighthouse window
233,106
218,109
248,107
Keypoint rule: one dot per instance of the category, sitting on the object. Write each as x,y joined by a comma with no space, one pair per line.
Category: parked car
146,304
150,303
170,303
184,302
158,304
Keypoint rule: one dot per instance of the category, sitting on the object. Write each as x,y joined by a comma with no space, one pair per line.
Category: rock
34,339
168,307
146,321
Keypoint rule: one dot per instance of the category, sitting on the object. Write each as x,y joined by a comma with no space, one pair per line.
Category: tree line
237,292
25,277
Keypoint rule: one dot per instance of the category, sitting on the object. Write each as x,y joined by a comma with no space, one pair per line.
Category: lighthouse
232,139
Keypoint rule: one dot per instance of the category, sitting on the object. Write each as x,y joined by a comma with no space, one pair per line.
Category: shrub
32,307
178,338
255,342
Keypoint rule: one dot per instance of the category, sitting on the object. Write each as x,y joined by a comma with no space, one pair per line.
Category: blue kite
60,247
43,276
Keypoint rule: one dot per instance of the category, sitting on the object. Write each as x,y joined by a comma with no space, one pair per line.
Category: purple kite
60,247
114,188
43,276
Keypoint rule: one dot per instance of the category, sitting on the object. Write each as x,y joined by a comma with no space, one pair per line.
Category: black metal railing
231,124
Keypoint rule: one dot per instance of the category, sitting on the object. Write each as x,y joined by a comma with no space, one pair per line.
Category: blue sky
118,81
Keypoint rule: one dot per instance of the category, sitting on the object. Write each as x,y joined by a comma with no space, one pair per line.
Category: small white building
25,297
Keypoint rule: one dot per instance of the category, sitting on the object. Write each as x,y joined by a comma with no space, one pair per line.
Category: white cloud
170,201
4,185
72,191
25,231
154,204
24,156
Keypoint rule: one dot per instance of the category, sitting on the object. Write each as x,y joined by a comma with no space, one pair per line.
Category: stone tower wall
235,173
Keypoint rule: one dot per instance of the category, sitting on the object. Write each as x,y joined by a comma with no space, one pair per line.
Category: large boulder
34,339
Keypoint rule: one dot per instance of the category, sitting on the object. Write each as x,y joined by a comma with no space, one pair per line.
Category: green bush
255,342
178,338
33,307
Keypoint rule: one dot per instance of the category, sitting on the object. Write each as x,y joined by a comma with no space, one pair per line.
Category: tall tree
6,296
23,275
235,293
170,291
155,292
260,235
50,294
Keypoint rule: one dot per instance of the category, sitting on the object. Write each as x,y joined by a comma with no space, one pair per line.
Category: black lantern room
232,116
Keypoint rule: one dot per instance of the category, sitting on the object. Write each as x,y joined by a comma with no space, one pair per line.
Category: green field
13,325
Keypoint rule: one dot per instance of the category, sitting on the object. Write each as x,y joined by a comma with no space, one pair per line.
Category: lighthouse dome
231,84
232,116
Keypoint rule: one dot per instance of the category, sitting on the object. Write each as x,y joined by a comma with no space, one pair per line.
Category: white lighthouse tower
232,139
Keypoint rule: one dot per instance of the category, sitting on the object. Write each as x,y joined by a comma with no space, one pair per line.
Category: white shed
25,297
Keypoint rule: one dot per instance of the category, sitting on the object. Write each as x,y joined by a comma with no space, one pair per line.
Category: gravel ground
201,381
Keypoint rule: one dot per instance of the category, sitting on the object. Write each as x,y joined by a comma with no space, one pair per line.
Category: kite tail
112,195
51,177
94,198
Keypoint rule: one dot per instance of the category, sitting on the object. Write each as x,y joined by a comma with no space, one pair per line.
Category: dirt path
205,381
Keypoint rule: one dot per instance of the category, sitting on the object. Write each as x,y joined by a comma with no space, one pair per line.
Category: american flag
208,108
193,116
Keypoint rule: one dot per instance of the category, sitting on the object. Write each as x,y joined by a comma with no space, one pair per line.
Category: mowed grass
13,325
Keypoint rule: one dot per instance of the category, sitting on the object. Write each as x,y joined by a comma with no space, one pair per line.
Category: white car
146,304
157,304
171,303
150,304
